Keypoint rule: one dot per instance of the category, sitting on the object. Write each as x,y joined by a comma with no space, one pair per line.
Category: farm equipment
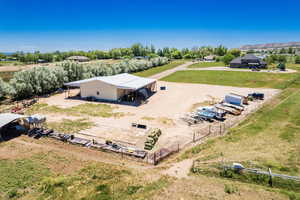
244,98
192,118
142,126
29,103
228,109
37,133
152,139
240,108
254,96
234,99
219,114
207,115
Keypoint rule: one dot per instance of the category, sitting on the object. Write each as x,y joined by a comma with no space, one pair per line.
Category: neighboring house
78,58
114,88
210,58
141,57
41,61
248,61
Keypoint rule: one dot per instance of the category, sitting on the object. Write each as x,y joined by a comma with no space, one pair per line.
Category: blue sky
49,25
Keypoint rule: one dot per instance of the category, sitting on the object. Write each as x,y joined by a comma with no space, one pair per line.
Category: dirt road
171,71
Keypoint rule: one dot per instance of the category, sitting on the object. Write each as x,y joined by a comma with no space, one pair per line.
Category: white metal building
112,88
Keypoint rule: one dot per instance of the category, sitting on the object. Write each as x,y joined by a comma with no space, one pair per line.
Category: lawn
70,126
156,70
207,64
230,78
88,109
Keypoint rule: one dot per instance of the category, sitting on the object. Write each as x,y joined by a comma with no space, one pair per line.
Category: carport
7,121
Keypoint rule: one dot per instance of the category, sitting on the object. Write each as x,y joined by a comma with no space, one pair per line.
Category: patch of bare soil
179,169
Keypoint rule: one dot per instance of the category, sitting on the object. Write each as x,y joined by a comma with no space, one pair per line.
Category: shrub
5,89
230,189
36,81
228,58
297,59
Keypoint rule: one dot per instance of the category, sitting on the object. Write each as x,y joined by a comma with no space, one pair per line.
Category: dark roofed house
78,58
248,61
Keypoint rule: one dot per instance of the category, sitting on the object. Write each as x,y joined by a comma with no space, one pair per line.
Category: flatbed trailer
228,109
240,108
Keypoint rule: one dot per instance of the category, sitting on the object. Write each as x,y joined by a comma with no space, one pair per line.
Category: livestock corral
180,112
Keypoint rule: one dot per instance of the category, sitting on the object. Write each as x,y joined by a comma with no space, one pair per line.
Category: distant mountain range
271,46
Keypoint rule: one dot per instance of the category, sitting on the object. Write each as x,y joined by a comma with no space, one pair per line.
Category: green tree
176,54
235,52
228,58
220,50
137,49
297,59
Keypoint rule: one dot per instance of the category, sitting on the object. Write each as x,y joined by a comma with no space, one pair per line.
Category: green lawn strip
17,176
89,109
156,70
70,126
10,63
230,78
207,64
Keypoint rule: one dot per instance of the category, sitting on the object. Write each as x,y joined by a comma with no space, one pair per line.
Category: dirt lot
163,110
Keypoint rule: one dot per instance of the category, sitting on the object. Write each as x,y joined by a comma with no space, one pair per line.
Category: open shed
8,125
115,88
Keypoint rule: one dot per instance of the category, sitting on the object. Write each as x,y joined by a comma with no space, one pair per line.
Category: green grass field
53,175
156,70
207,64
230,78
10,63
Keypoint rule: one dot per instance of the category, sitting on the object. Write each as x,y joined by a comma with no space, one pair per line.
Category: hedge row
43,80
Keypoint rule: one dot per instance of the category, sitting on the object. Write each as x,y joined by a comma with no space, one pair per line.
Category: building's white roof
7,118
122,81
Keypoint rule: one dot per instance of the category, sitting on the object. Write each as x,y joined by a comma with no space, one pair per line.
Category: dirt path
180,169
171,71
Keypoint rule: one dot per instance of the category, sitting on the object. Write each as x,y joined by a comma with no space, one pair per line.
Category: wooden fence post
194,136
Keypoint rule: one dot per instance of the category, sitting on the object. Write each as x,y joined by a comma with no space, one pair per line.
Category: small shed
8,122
114,88
78,58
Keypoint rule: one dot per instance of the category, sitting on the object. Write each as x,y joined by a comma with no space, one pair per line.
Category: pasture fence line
160,154
221,128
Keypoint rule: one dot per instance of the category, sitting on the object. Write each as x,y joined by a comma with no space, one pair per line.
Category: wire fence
155,157
220,128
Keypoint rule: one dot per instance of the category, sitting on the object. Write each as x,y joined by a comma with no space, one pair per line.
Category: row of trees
43,80
117,53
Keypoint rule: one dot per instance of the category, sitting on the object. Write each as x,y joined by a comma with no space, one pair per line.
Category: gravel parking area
163,110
